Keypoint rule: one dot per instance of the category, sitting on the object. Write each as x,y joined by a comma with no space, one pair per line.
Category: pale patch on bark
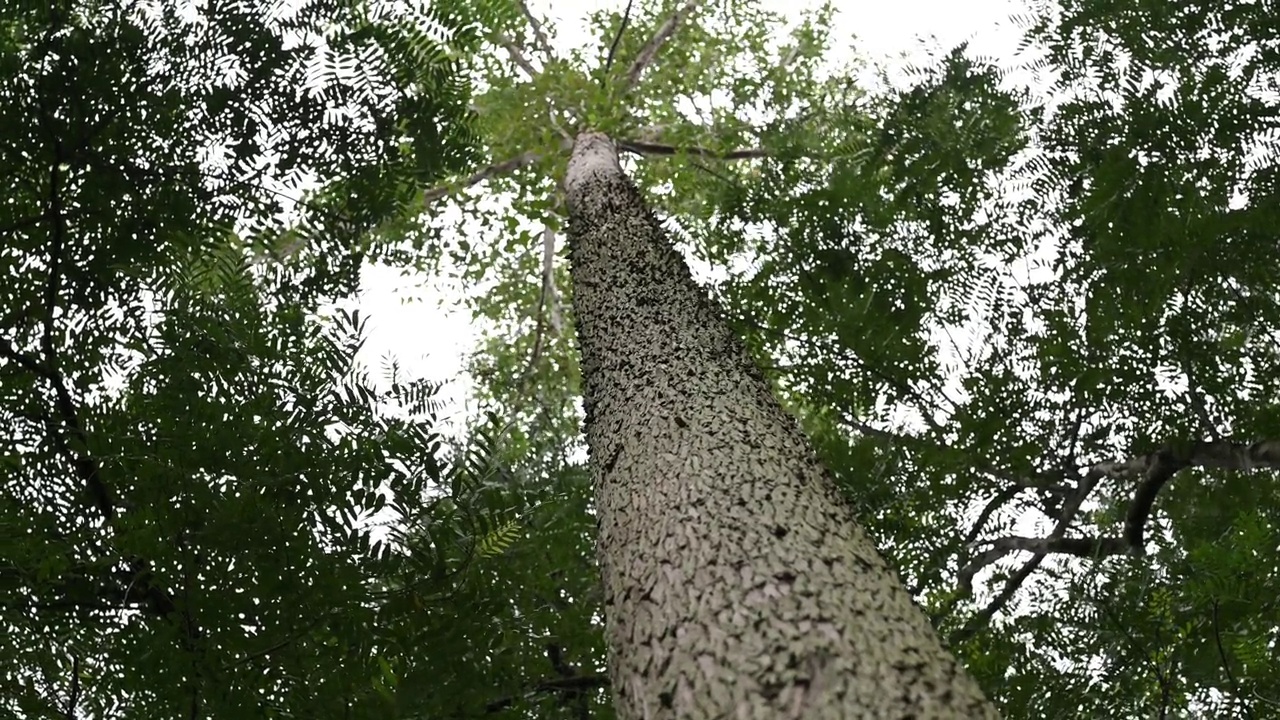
594,158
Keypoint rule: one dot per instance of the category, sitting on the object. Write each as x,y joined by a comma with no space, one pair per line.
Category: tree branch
650,148
1156,469
524,159
287,641
1041,481
1080,547
531,156
73,696
650,50
1069,509
577,684
516,56
539,37
1226,663
66,422
1219,454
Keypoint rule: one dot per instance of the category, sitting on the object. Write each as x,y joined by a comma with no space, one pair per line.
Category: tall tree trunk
737,582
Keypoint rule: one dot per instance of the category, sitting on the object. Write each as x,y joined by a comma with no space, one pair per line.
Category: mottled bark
737,582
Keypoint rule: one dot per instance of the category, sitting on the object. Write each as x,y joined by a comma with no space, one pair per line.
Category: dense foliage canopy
187,448
1028,318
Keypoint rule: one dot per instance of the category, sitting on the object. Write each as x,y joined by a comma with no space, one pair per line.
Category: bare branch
516,56
539,37
1069,509
617,37
546,299
995,503
1221,454
648,148
1080,547
548,278
523,159
650,49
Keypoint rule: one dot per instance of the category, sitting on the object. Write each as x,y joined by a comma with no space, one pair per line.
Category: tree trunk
737,583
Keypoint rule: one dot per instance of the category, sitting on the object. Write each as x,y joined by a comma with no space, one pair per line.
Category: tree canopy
1027,319
188,447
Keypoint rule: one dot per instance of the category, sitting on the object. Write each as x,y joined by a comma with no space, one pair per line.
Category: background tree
189,452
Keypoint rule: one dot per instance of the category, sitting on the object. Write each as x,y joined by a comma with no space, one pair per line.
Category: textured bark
737,582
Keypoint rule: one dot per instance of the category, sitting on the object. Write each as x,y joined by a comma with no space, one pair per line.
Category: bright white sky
431,342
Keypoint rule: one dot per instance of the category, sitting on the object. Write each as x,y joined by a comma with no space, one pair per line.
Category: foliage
191,455
517,633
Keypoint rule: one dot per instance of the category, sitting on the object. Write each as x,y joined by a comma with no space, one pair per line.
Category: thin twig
277,646
617,37
1222,653
524,159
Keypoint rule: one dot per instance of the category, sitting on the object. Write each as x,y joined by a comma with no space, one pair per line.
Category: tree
1094,243
1100,247
736,581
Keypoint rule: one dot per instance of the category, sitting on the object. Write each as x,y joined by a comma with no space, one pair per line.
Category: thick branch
1222,454
1080,547
1156,469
